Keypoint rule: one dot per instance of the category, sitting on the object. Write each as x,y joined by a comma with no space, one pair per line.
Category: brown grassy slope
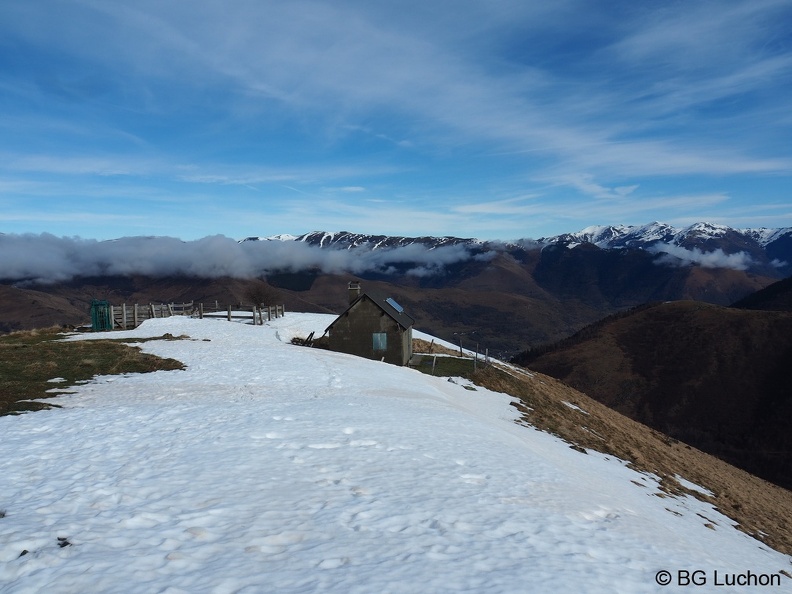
759,508
720,286
69,303
714,377
29,308
775,297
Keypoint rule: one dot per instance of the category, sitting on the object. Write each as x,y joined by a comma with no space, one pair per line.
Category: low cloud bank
46,258
674,255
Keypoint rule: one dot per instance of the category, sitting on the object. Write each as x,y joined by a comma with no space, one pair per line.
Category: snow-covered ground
267,467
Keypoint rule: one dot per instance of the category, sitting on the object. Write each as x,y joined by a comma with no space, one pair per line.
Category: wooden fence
131,316
259,315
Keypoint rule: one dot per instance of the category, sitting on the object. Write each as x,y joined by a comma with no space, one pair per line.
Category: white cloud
46,258
349,189
673,255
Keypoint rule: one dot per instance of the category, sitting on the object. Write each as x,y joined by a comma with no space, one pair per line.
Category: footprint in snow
474,479
333,563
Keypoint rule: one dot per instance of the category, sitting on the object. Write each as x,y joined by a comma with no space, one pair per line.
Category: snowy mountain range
766,251
698,235
603,236
266,467
347,240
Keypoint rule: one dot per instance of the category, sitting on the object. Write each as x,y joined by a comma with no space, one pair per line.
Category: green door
101,316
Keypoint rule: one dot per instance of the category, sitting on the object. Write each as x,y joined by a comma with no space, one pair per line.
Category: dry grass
760,509
28,359
431,348
716,378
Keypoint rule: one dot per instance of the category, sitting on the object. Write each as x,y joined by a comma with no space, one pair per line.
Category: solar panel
390,301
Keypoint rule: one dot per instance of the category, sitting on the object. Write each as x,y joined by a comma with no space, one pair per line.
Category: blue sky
496,119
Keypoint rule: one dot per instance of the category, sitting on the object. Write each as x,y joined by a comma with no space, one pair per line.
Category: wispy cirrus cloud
461,104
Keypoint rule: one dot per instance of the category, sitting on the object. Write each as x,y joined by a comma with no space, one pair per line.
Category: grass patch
29,359
451,365
446,366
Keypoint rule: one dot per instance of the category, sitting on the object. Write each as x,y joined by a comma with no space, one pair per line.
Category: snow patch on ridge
269,467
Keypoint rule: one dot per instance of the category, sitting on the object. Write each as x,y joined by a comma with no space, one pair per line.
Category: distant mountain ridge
703,236
696,235
603,236
762,250
347,240
714,377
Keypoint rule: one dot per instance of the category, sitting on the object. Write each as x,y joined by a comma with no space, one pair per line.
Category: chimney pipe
354,291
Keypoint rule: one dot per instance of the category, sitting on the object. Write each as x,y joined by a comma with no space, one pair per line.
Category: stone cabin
372,327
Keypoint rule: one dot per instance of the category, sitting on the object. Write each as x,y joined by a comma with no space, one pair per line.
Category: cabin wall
354,331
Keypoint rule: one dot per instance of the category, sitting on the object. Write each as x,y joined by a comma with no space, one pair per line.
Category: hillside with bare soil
714,377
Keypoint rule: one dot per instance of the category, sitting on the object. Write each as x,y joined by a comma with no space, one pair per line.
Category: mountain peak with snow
702,235
348,240
763,251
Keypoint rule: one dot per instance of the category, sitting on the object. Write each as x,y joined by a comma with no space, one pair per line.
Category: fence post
229,313
123,316
200,311
135,315
170,309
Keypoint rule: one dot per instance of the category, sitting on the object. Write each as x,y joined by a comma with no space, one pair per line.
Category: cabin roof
386,304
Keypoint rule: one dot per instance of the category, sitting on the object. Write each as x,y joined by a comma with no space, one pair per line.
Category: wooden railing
127,316
259,314
131,316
